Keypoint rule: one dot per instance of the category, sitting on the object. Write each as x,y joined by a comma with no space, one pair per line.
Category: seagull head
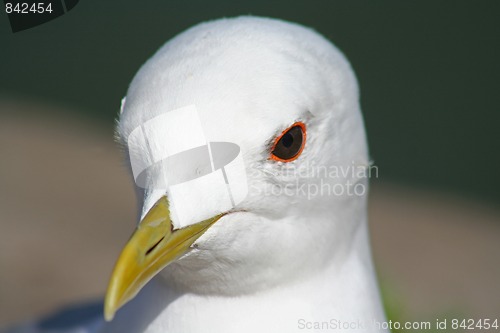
247,148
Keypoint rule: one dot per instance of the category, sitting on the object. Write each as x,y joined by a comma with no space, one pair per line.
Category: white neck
345,293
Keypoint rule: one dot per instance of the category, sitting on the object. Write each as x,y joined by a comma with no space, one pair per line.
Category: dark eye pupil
290,144
287,140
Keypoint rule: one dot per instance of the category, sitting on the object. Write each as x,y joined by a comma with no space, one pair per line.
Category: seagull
246,143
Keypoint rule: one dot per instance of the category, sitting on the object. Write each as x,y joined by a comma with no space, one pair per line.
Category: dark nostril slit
154,246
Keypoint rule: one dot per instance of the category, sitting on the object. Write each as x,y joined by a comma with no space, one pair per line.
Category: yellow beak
151,248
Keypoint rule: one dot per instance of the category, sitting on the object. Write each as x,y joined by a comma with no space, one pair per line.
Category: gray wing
83,318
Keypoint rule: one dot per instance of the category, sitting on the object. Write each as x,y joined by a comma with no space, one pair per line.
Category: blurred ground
67,207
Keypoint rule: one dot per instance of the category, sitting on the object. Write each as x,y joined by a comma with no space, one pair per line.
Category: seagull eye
289,145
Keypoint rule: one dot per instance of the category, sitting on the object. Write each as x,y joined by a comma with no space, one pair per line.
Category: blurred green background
429,72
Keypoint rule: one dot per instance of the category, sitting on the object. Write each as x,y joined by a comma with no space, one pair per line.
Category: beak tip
110,306
109,312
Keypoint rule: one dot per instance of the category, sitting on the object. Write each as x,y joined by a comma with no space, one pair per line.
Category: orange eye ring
289,144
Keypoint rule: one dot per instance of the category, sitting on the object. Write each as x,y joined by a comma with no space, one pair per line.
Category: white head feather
251,78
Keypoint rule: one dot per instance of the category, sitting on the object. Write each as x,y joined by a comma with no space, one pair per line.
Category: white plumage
285,261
